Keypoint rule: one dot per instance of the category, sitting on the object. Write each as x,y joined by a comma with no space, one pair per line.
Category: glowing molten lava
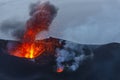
40,20
59,70
28,50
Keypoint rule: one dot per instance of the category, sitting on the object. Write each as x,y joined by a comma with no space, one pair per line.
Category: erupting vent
42,15
66,54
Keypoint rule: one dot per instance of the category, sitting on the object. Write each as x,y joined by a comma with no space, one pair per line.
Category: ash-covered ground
104,64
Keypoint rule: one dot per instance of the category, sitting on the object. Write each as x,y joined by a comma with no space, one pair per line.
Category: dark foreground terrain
105,65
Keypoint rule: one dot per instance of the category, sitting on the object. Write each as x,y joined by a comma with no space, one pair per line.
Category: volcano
53,58
104,65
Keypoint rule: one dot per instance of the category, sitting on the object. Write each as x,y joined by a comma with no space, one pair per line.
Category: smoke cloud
41,17
72,56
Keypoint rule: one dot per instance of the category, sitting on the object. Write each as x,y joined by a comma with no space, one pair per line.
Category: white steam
71,56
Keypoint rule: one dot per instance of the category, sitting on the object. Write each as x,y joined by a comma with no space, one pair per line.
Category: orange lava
37,48
28,50
59,70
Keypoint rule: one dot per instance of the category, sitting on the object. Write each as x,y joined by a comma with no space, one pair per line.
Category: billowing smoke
72,55
41,16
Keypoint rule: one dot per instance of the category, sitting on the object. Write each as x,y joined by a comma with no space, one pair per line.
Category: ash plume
37,15
41,17
36,7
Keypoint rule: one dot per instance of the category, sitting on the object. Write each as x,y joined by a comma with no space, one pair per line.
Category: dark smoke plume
35,7
41,17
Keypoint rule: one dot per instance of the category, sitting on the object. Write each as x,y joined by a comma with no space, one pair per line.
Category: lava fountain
41,16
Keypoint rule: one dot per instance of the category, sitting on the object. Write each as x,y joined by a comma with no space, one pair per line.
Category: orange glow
59,70
38,22
28,50
34,49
